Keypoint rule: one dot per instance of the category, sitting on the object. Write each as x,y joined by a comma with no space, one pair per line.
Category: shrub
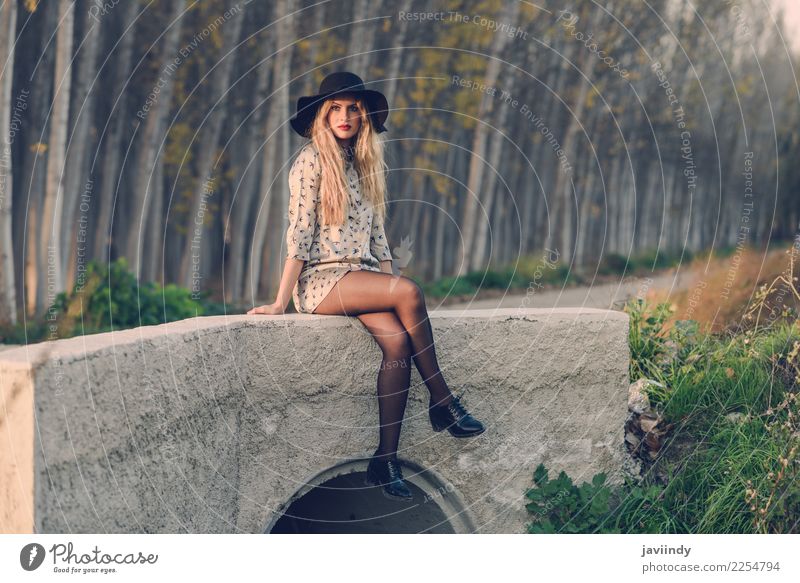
559,506
109,297
647,338
613,263
449,286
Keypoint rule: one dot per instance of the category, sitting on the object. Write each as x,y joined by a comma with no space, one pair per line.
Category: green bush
488,279
110,298
559,506
449,286
614,263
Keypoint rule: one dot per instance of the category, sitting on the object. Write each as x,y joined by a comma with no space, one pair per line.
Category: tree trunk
207,162
52,215
153,248
478,160
8,301
359,30
77,158
397,54
34,166
441,223
109,166
488,190
562,216
246,195
152,139
269,183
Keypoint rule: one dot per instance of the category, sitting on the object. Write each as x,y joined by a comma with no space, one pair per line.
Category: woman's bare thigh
362,291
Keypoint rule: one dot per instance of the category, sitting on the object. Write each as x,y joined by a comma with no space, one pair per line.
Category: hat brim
307,107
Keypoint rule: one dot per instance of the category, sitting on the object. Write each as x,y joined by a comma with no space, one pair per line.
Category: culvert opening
345,505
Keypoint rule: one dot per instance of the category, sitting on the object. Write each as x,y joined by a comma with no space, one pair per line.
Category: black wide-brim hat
334,84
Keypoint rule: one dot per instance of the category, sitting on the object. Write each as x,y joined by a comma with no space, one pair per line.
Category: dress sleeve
303,193
378,245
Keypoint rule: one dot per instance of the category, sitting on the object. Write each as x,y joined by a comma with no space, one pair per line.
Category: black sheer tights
393,309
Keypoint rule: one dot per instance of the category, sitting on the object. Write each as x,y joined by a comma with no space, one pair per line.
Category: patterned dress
329,251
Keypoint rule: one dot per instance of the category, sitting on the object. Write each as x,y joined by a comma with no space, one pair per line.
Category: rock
736,417
638,402
648,422
632,468
632,439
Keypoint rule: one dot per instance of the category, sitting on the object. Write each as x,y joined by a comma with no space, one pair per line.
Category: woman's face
344,118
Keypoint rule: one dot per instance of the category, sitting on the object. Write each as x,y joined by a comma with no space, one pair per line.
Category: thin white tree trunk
8,301
441,219
52,216
498,140
562,232
152,138
269,182
77,153
478,161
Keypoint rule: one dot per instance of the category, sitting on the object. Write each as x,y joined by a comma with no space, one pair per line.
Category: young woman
339,262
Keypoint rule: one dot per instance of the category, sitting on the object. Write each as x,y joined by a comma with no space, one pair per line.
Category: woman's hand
268,310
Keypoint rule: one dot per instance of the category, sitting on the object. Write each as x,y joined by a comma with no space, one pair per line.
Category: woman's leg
394,377
364,291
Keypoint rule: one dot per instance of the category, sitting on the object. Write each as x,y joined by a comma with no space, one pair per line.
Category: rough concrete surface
215,424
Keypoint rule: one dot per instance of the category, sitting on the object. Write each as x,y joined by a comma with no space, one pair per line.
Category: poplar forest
157,131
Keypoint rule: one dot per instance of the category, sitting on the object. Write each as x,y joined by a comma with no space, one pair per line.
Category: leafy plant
647,339
560,506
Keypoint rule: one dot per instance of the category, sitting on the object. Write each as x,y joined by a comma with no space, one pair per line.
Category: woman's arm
379,246
303,191
386,267
291,271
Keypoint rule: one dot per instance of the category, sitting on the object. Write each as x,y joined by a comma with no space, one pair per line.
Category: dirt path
605,295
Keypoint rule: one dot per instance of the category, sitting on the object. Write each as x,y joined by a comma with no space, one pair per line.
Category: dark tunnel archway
337,501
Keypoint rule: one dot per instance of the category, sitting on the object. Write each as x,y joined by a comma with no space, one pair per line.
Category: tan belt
355,261
337,262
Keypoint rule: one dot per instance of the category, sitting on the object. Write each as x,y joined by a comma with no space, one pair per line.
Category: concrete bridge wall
215,424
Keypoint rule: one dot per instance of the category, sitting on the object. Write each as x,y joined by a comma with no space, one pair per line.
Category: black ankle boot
455,418
387,473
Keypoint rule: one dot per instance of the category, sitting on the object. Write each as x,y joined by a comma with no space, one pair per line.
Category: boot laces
457,408
395,473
